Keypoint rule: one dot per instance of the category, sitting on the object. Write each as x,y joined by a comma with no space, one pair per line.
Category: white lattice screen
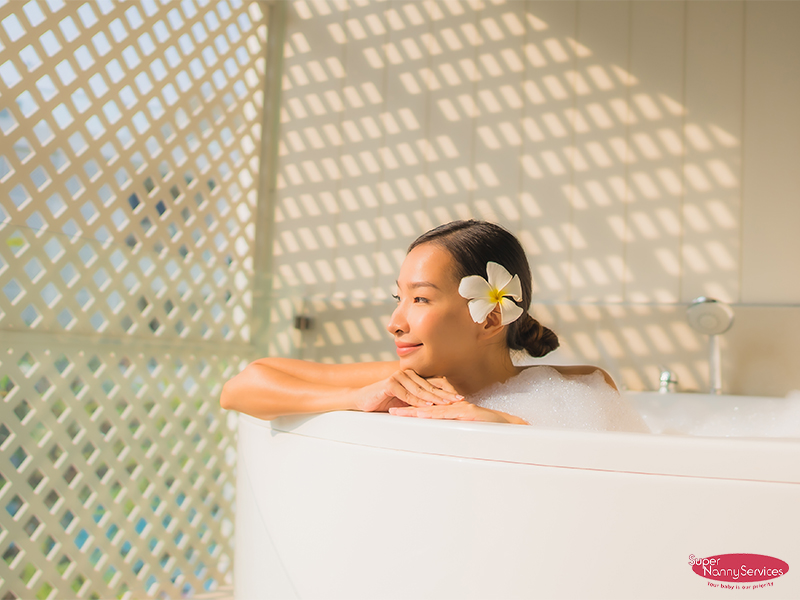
129,167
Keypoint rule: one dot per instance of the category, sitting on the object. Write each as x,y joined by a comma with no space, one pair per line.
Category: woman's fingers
424,389
396,403
403,388
443,384
460,411
409,411
410,389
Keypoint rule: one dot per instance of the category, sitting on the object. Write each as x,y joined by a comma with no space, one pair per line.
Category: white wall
642,151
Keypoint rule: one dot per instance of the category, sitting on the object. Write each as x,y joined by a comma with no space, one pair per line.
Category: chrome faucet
668,382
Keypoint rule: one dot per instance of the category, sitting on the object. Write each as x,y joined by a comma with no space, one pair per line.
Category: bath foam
721,416
547,399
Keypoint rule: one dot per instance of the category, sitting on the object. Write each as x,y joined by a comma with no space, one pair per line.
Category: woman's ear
492,326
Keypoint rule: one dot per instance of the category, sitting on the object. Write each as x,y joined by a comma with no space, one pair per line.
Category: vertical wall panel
404,120
361,162
410,54
603,35
654,151
307,212
498,134
447,188
713,135
308,209
771,211
547,170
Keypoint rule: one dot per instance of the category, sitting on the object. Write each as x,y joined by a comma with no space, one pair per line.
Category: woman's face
432,327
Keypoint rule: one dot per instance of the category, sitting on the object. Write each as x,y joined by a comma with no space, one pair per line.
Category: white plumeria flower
484,295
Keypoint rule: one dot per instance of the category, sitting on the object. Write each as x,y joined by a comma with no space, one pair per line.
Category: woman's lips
404,349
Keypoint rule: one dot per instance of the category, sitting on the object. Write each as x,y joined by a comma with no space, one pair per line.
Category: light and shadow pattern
128,167
586,128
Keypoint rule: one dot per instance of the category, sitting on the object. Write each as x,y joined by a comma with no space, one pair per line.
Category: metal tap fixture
713,318
668,382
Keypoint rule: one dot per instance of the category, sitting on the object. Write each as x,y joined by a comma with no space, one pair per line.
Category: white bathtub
360,505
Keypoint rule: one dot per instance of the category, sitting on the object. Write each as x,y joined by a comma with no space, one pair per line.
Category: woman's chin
418,366
406,363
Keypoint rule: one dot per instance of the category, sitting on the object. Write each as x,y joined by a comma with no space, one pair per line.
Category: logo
739,568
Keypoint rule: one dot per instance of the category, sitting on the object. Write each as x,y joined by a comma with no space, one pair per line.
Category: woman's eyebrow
418,284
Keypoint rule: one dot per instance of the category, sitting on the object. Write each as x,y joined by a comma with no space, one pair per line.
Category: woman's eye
417,299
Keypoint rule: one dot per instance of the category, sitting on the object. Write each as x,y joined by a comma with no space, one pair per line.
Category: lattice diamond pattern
129,167
116,472
128,183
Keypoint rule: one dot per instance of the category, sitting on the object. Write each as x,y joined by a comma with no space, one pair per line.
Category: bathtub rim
775,460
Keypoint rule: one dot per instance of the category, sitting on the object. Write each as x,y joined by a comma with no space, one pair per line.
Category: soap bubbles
547,399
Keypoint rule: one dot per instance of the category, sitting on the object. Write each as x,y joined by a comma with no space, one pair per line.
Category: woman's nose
397,324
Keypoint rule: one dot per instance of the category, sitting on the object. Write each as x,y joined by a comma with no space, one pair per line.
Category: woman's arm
347,375
272,387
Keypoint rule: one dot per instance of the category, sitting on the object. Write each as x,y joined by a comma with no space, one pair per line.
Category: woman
464,290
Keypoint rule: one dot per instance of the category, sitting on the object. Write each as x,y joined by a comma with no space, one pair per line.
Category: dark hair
472,244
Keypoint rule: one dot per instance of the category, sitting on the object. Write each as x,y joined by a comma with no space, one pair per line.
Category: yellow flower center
496,295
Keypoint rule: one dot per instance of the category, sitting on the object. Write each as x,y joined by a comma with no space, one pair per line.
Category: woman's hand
406,388
460,411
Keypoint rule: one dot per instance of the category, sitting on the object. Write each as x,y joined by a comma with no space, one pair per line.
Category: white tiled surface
649,159
771,213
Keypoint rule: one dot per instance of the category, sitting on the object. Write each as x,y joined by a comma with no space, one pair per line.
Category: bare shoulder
346,375
573,370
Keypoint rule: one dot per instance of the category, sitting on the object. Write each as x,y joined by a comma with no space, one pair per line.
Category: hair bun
535,338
